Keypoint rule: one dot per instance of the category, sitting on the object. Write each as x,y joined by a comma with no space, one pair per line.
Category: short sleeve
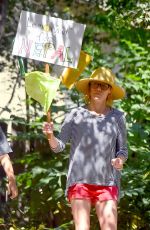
4,145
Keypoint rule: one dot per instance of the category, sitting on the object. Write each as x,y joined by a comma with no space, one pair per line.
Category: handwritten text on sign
48,39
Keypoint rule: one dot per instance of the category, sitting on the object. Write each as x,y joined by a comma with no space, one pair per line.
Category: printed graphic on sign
48,39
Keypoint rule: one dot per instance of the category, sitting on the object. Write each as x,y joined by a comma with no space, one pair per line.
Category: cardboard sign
48,39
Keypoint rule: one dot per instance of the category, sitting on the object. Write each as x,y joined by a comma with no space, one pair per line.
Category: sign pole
48,112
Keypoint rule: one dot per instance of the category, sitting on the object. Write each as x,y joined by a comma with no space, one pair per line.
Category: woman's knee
107,214
81,214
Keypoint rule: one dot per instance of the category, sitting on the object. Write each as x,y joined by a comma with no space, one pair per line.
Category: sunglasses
95,85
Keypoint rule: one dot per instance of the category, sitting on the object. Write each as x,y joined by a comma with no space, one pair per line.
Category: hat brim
83,87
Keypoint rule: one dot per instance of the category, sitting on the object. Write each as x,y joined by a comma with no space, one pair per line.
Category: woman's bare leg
81,213
107,214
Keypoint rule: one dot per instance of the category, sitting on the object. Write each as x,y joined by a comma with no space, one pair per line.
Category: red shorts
93,193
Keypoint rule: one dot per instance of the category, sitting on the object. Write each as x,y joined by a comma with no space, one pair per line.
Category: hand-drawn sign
48,39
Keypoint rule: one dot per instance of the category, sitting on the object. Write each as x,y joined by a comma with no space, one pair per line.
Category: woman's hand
117,163
8,168
12,188
48,128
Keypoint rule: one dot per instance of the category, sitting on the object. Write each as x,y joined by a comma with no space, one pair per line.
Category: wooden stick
49,116
46,68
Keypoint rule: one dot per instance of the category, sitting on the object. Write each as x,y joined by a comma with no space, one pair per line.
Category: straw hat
103,75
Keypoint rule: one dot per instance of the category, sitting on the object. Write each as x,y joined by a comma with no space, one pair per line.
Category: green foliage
42,186
132,59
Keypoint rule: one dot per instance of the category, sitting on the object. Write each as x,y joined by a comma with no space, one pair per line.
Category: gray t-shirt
4,146
95,141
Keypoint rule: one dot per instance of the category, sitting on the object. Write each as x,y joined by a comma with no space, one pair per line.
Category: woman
98,150
7,165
